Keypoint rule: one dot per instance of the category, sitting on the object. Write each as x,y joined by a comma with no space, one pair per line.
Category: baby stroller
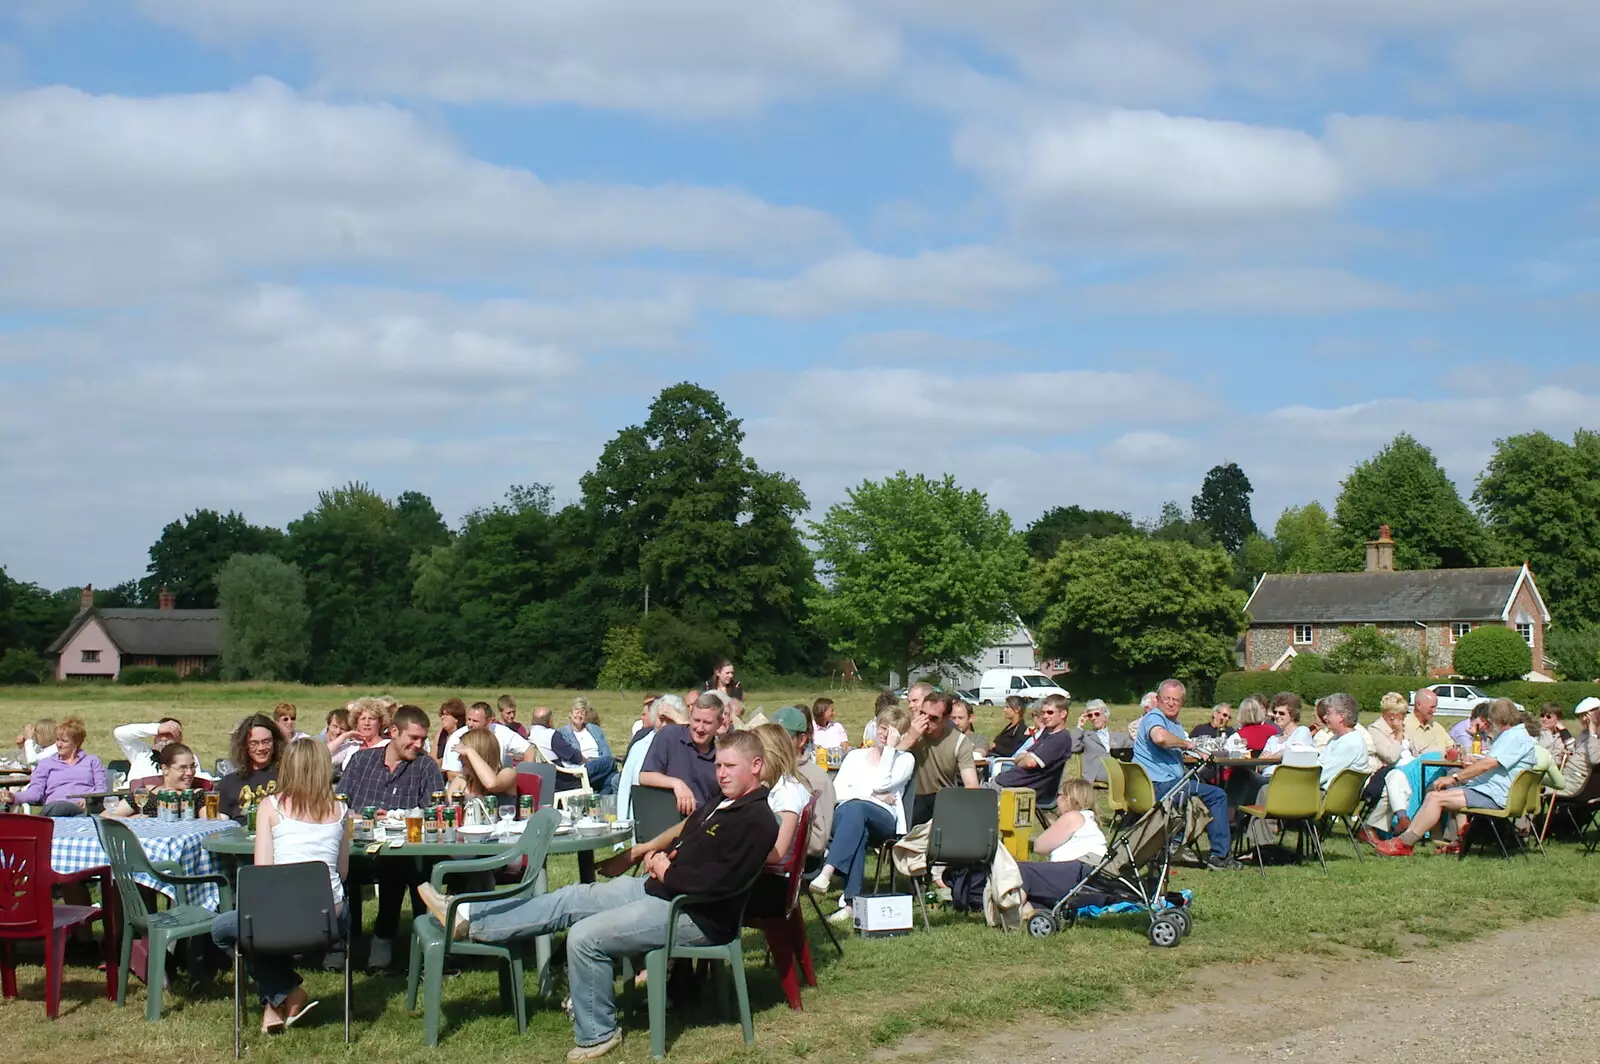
1133,877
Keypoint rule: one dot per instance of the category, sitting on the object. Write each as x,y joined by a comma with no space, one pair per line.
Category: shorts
1477,799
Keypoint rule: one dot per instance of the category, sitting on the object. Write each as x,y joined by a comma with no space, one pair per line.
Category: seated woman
256,748
177,765
1285,714
452,716
1254,727
1015,733
37,741
1073,845
1483,783
482,771
787,797
583,731
870,793
56,780
302,822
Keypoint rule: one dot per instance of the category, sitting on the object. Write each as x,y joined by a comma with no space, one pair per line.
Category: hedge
1369,690
1493,652
136,675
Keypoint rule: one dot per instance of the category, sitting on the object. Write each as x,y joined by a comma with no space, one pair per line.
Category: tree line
681,550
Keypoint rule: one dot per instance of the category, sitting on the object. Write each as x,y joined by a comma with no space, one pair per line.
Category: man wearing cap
1094,737
1585,746
792,719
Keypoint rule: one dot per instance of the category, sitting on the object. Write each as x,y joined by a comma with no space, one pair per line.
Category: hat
792,720
1590,703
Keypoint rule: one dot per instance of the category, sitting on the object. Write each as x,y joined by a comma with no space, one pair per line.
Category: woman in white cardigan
871,796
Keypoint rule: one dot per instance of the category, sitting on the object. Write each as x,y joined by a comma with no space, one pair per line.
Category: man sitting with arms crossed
682,759
721,848
1039,765
1158,745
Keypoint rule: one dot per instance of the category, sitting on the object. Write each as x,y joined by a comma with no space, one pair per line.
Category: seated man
1094,737
1475,724
682,759
1158,746
142,742
507,705
963,720
513,747
663,710
1510,752
1039,766
1585,747
718,850
551,747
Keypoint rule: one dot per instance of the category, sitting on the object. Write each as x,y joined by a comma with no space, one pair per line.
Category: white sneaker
841,915
381,954
822,884
599,1049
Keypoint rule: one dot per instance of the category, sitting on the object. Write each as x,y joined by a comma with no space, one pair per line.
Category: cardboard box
882,914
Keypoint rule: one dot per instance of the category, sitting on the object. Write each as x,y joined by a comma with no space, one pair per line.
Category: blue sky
1067,252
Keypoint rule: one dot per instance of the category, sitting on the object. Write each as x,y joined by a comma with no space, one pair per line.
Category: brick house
99,644
1424,610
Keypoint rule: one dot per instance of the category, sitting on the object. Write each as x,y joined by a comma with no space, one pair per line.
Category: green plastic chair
1342,802
1524,795
431,943
1116,787
729,958
1294,797
128,859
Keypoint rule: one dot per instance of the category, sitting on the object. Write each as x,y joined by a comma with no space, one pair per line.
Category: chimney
1380,552
166,599
86,597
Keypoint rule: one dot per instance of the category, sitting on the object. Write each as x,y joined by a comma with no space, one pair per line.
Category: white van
1029,685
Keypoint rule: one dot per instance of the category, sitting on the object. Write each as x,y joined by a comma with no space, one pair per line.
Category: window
90,656
1016,683
1459,629
1302,634
1525,630
1005,656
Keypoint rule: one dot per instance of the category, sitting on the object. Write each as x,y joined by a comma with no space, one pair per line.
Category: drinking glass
508,812
413,829
213,805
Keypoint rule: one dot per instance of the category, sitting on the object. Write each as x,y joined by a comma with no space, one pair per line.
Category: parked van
1030,685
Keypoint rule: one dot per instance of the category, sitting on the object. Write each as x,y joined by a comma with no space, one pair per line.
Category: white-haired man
667,709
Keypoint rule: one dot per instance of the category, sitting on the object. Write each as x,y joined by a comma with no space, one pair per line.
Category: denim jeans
856,823
603,774
1218,832
274,974
608,920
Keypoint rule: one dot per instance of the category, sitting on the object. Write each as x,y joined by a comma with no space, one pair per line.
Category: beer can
438,797
524,806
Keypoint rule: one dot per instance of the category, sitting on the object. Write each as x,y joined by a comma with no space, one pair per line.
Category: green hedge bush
1492,653
138,675
1369,690
1533,695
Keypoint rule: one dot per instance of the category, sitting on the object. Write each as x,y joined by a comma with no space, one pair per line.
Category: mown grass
956,982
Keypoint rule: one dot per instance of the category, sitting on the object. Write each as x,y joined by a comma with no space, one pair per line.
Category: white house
1015,650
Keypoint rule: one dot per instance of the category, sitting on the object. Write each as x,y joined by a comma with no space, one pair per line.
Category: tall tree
917,573
1129,606
1223,506
1307,541
191,551
1054,527
30,616
1541,499
1404,487
675,505
263,603
1177,525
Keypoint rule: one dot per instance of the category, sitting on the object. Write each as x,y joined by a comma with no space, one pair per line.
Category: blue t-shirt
1159,763
1513,752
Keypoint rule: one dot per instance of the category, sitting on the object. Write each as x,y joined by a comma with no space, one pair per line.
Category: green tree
21,666
1575,649
675,505
1176,525
1255,556
917,573
1129,606
263,603
1223,506
1541,499
191,551
1368,651
625,665
1492,653
30,616
1404,487
1055,527
1307,541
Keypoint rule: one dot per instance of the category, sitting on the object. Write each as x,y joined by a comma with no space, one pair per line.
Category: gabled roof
1369,598
163,633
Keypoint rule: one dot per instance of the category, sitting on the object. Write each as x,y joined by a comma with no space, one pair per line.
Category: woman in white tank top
302,822
1076,834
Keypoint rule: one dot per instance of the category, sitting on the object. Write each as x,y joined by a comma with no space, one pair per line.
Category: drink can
524,806
188,805
460,814
438,797
369,812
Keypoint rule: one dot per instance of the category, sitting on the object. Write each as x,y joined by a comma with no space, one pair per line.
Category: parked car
1029,685
1456,699
969,696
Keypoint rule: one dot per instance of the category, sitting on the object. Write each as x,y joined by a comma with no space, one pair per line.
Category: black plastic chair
965,831
655,809
547,781
120,765
285,910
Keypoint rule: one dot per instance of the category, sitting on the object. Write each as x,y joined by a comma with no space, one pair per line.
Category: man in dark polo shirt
1038,765
718,851
683,759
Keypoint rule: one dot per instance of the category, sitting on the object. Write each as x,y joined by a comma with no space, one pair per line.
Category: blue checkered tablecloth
76,847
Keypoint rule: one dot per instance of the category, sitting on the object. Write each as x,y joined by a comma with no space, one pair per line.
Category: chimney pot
166,600
1380,552
86,597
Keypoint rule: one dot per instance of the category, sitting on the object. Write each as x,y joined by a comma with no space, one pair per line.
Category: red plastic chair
786,934
27,910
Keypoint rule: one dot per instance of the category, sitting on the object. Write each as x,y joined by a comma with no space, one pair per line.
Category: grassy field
957,982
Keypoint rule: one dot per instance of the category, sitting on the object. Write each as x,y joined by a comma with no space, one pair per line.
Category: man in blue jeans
718,850
1158,746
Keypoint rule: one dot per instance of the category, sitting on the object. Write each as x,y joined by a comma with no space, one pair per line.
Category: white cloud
699,57
106,199
965,278
1282,290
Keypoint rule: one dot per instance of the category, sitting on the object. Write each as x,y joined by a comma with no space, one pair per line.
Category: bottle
1477,744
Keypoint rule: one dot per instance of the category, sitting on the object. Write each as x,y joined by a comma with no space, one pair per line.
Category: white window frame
89,657
1310,635
1005,656
1459,629
1525,630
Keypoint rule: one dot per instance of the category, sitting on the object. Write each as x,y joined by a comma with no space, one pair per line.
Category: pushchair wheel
1164,931
1184,921
1041,925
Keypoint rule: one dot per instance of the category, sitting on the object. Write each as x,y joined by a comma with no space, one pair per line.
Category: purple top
56,781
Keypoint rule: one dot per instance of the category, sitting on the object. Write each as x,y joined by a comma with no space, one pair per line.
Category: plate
476,831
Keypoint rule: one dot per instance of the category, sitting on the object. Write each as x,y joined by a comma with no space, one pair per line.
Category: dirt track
1532,992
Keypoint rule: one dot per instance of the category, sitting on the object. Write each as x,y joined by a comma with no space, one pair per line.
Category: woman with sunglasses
1285,713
